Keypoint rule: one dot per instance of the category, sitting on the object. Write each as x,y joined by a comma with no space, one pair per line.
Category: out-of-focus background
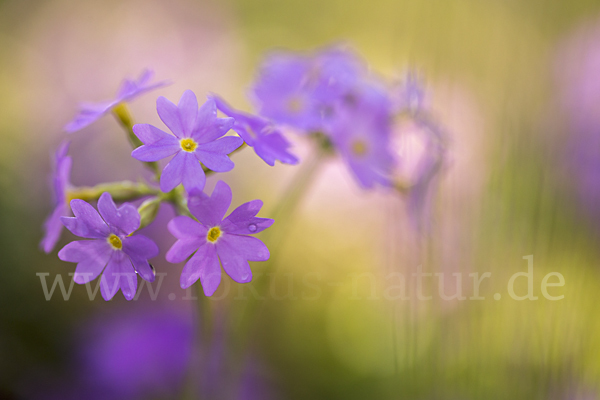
515,84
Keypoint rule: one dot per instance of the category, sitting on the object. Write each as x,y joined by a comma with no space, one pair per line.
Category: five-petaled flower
113,246
361,134
60,183
215,238
197,133
282,91
259,133
130,89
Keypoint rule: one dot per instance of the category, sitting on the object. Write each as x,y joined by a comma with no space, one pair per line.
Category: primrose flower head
283,91
361,134
213,238
60,183
259,133
336,71
195,139
130,89
113,249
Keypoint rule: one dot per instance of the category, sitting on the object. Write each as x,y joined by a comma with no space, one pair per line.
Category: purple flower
578,78
112,246
361,134
302,91
214,238
336,73
143,353
60,183
283,93
196,132
259,133
130,89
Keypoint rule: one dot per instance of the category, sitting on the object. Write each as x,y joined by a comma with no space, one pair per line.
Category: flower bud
148,210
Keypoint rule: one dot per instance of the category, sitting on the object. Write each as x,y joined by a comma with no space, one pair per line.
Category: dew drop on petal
252,227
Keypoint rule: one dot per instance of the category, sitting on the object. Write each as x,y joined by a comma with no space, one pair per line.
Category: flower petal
214,161
194,177
211,210
204,265
188,110
184,248
172,175
149,134
53,228
157,151
208,126
246,247
242,220
222,146
143,268
183,227
119,273
205,119
87,222
125,219
88,114
248,226
91,257
233,261
273,147
169,114
140,245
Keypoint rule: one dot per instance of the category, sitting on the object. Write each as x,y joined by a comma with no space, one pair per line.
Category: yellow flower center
359,148
213,234
115,242
188,145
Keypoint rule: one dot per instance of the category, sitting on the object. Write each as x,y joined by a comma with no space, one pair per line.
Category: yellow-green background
490,67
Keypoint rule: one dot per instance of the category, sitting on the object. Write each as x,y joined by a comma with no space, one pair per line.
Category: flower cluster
331,93
199,146
330,97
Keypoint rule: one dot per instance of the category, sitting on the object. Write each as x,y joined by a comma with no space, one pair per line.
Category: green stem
204,340
206,316
120,191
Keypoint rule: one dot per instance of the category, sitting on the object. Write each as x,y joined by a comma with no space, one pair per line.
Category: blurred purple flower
215,238
60,182
336,73
130,89
138,355
301,91
113,246
282,91
578,73
268,142
361,134
197,133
